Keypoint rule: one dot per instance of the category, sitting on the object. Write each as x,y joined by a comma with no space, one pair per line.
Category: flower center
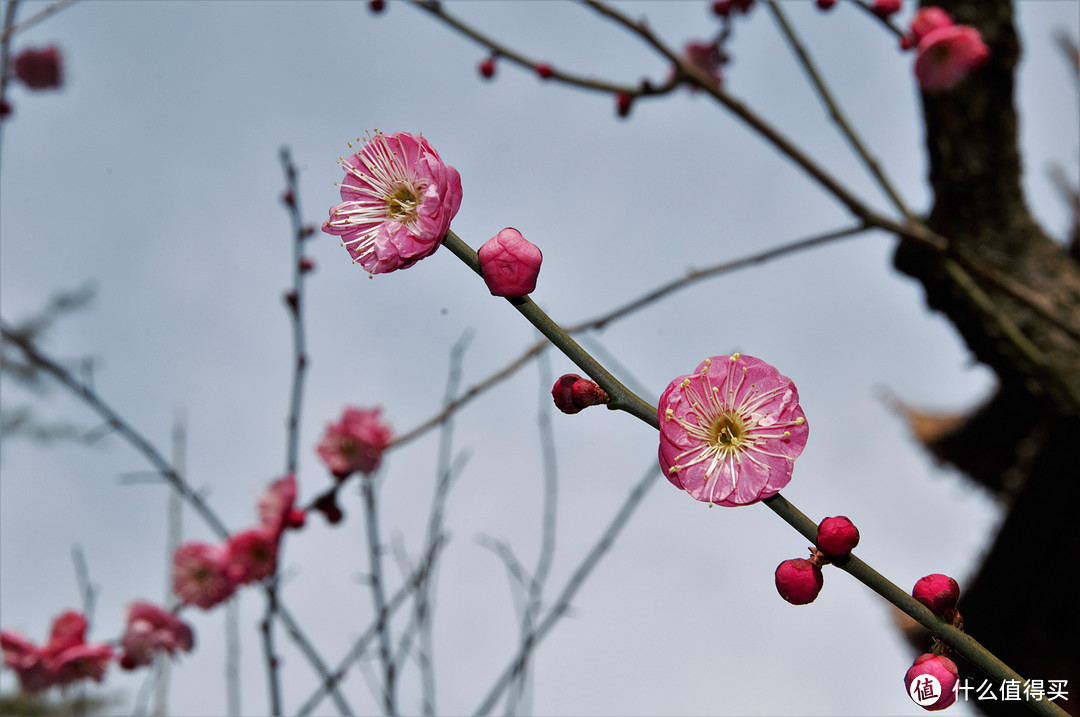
727,431
401,205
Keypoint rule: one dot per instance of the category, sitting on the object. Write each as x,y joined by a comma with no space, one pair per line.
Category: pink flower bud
927,20
931,681
544,70
799,581
40,69
837,537
487,68
623,102
288,198
937,592
509,264
885,8
306,264
825,4
572,393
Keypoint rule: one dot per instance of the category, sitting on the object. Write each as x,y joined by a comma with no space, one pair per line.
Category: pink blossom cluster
66,658
355,443
946,53
206,574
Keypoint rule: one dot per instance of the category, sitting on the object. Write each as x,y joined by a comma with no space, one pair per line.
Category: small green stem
622,398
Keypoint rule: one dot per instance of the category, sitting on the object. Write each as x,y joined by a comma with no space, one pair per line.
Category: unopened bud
931,681
937,592
487,68
837,537
510,264
799,580
572,393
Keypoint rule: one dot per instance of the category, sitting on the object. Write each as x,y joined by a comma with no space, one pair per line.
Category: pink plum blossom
253,555
152,630
65,659
276,507
706,58
398,198
355,443
510,264
942,670
927,20
947,55
201,574
731,431
39,69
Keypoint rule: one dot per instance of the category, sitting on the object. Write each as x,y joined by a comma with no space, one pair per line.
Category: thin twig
570,589
837,115
10,30
377,592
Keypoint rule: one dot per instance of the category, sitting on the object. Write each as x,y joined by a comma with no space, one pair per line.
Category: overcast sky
154,174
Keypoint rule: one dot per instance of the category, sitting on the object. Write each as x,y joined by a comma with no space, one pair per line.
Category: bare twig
562,604
10,30
378,593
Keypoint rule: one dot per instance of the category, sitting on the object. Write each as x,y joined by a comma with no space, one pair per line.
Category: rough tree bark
1024,442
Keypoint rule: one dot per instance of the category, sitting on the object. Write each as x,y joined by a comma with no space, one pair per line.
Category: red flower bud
931,681
306,264
799,581
623,103
509,264
837,537
937,592
544,70
40,69
487,68
572,393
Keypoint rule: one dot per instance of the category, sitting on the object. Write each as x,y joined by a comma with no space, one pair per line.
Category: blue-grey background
154,174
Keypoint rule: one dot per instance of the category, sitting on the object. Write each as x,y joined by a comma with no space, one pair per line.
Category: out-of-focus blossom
150,631
487,68
355,443
277,511
510,264
731,431
65,659
927,20
398,198
947,55
705,57
885,8
201,574
253,555
39,69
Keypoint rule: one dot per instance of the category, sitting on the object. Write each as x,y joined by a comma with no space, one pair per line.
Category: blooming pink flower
152,630
931,681
355,443
201,574
799,580
398,198
66,658
276,507
947,55
572,393
705,57
731,431
253,555
81,662
837,537
40,69
510,264
938,592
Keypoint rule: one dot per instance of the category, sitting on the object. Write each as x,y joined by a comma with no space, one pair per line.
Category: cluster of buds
946,53
799,580
932,679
